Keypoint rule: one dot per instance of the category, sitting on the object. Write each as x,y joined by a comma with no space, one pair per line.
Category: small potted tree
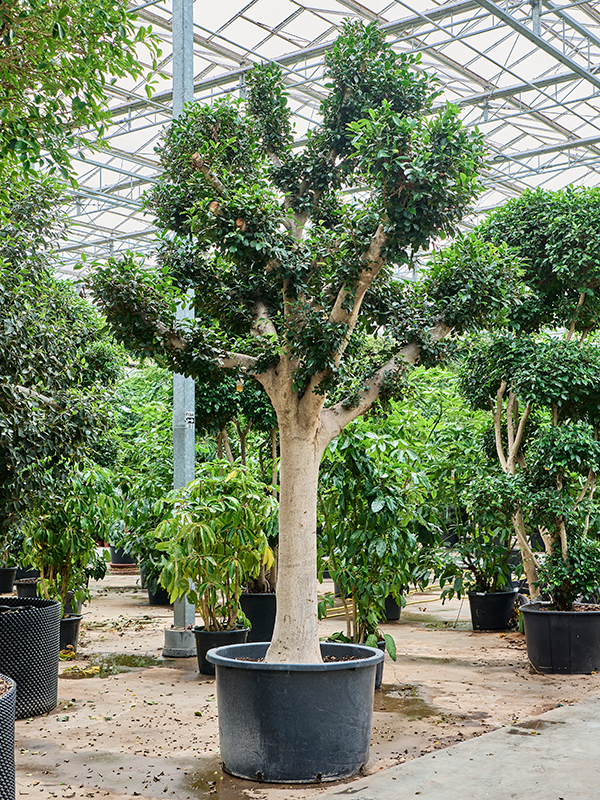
215,540
480,562
367,501
60,534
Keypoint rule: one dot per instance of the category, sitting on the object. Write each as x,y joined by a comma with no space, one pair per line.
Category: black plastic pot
7,739
207,640
158,597
562,641
27,587
7,579
392,609
295,723
491,611
69,631
29,644
119,558
260,610
26,573
379,667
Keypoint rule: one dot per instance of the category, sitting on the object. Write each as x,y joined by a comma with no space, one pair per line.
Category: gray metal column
179,640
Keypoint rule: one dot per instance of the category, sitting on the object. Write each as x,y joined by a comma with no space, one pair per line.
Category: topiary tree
292,279
540,379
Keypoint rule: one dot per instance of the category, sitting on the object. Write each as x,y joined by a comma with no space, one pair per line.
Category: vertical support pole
536,17
180,642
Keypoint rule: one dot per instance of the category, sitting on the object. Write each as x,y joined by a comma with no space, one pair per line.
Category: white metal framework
526,73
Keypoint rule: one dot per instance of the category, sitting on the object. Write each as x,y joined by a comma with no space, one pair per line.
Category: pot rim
226,657
484,594
536,607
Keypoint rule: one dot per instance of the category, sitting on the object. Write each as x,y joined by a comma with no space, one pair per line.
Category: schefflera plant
293,275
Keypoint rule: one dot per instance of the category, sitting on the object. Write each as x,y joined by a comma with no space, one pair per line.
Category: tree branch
497,415
41,398
198,163
263,323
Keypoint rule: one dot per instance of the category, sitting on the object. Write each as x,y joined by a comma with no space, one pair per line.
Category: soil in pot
7,579
69,631
207,640
295,723
492,611
565,642
260,609
27,587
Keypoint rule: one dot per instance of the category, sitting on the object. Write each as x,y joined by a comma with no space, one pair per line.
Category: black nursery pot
69,631
27,587
29,644
207,640
491,611
119,558
7,579
295,723
392,609
7,738
260,608
562,641
158,596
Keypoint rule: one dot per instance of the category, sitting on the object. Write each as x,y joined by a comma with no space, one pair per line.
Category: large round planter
562,641
7,579
69,631
119,558
27,587
29,644
295,723
207,640
8,697
491,611
260,609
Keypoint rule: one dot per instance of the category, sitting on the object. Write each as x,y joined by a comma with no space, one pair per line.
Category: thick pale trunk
296,638
530,565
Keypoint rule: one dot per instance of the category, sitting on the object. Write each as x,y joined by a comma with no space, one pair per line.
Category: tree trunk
296,637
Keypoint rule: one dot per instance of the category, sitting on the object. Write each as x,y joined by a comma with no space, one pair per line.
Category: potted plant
60,534
294,289
367,500
543,392
480,562
215,539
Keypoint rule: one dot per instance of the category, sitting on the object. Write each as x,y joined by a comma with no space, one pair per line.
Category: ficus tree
540,380
293,274
56,62
55,360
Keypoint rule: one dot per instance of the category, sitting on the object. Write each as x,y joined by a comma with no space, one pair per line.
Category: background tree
56,61
291,280
54,359
540,379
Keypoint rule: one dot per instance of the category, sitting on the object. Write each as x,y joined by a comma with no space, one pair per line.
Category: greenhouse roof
527,74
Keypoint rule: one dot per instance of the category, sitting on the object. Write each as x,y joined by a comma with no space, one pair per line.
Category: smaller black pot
119,558
379,667
7,579
27,573
27,587
491,611
69,631
206,640
392,609
260,610
158,597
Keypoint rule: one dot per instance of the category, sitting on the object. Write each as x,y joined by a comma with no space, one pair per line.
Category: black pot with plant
215,541
60,534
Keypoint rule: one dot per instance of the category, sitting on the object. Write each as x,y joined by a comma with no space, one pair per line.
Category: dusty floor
150,731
